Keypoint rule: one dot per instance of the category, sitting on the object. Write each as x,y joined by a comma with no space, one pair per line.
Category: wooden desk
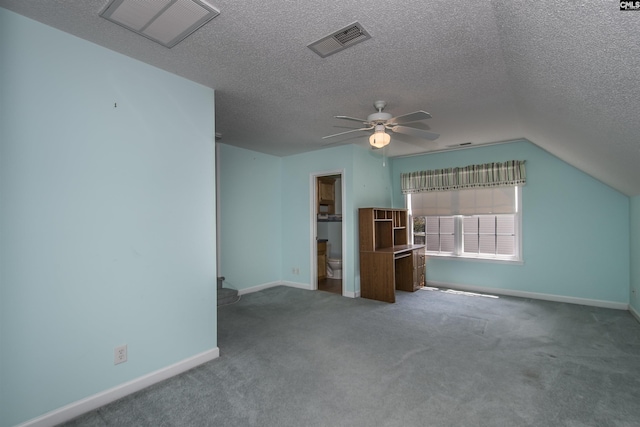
385,270
387,262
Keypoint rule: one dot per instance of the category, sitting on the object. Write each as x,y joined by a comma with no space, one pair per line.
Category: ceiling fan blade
349,131
410,117
355,119
417,125
418,133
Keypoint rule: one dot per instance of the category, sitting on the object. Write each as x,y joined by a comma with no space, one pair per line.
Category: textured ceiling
562,74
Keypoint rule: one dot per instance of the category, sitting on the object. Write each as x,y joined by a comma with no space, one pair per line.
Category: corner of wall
634,255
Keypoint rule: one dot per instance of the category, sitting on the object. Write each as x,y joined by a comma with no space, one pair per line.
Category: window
489,235
480,236
439,233
467,212
467,234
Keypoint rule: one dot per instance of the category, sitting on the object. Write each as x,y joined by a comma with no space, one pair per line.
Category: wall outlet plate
120,354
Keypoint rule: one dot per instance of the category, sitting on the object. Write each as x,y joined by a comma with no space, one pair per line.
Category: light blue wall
358,167
634,296
372,185
575,229
296,187
250,209
265,211
364,177
107,222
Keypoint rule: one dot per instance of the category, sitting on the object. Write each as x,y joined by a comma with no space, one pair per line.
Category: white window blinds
489,188
472,201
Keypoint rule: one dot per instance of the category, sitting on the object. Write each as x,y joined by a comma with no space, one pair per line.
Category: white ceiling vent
167,22
341,39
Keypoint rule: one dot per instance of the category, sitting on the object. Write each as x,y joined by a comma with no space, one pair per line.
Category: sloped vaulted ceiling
563,74
574,70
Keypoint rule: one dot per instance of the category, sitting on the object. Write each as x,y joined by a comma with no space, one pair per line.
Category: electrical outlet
120,354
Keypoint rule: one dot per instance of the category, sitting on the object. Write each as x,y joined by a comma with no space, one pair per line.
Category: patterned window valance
509,173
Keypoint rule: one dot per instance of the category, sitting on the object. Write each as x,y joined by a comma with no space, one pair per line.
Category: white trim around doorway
313,228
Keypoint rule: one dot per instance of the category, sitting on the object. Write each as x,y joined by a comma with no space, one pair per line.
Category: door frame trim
313,224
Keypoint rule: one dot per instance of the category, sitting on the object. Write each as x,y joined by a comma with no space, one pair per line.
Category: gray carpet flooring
291,357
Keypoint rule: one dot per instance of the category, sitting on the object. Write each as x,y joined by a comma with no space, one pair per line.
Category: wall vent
340,40
167,22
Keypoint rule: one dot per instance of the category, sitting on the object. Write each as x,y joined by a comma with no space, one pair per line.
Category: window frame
458,253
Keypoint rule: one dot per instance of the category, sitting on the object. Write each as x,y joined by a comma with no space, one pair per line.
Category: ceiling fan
380,122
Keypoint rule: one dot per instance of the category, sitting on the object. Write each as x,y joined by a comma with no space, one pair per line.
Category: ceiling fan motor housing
378,117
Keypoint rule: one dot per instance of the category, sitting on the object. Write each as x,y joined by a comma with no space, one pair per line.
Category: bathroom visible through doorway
328,226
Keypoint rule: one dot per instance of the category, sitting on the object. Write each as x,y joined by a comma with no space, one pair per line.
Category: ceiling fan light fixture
380,138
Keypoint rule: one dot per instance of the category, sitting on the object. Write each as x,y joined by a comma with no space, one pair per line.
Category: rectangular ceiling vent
341,39
167,22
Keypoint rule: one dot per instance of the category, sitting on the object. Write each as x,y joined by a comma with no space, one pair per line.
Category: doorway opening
327,229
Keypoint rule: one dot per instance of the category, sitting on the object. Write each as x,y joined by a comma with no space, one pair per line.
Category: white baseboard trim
305,286
264,286
90,403
532,295
634,313
258,288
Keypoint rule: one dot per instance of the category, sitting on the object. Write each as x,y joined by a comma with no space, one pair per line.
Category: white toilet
334,269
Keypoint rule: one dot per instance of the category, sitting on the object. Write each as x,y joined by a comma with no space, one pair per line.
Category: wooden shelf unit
322,260
387,260
326,192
